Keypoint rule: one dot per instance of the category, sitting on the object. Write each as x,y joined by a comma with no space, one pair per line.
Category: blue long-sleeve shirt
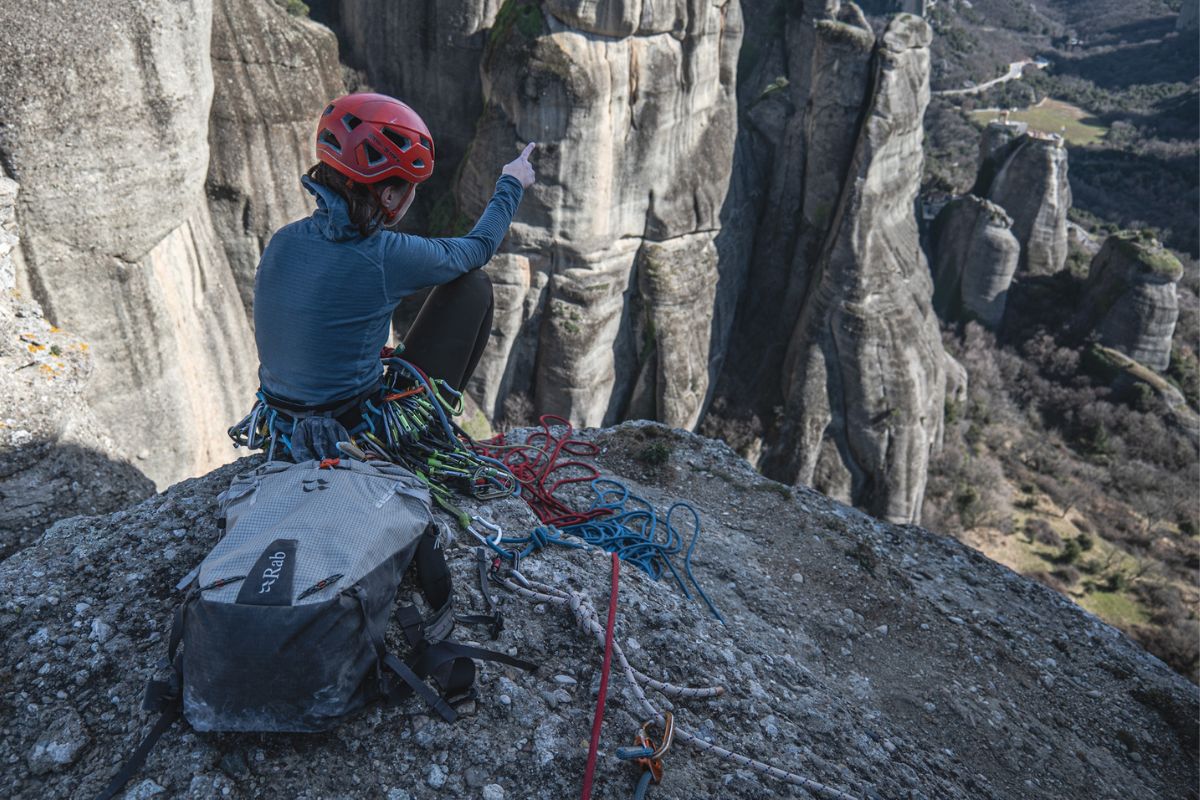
324,294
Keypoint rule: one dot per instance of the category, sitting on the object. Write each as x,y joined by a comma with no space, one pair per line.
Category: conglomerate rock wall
837,357
1026,174
55,459
1130,300
105,126
975,259
619,284
605,285
864,374
273,73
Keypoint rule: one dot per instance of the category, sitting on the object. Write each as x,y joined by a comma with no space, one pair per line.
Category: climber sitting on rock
327,285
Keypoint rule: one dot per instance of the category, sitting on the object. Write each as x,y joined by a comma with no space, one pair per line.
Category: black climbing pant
449,334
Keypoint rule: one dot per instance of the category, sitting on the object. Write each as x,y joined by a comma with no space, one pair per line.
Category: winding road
1015,69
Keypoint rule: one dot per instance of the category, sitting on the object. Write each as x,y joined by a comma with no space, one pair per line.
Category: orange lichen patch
47,369
83,345
55,329
34,347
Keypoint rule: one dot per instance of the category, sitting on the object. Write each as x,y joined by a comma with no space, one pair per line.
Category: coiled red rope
598,719
539,466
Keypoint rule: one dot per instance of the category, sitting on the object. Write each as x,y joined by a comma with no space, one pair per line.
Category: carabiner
668,735
492,526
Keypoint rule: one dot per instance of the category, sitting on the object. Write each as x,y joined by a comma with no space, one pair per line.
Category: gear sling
283,624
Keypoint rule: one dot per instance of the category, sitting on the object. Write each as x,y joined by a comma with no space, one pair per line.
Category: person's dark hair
366,212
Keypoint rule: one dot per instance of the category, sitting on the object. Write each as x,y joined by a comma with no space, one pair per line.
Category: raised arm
412,262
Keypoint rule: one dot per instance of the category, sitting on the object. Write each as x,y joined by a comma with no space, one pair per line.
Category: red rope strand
598,719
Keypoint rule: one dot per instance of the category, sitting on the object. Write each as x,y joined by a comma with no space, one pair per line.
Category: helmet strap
390,217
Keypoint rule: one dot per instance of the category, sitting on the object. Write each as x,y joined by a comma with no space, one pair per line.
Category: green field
1053,116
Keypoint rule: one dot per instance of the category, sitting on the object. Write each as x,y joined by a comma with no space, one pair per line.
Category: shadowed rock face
975,259
1189,16
606,282
117,239
427,54
55,460
1130,299
1026,175
273,73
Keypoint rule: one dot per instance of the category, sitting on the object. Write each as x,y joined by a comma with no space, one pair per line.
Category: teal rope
633,530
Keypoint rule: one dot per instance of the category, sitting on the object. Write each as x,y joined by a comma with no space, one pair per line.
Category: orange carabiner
653,762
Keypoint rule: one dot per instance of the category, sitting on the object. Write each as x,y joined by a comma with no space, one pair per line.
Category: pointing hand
520,168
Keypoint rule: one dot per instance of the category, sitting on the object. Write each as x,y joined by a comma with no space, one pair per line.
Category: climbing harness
407,421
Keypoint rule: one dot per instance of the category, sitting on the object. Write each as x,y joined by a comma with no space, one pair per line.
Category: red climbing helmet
372,137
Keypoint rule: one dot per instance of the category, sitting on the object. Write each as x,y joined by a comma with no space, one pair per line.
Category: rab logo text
271,573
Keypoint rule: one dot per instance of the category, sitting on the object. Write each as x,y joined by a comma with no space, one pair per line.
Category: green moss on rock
1144,248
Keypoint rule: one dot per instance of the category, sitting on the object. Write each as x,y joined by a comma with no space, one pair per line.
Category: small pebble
565,680
437,776
493,791
101,631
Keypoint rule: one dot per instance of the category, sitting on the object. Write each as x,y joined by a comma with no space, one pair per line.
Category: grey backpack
284,623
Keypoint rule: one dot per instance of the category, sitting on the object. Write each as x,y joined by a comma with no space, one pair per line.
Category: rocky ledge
880,660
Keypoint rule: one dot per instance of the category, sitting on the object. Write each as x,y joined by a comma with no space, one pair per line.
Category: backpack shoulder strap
164,696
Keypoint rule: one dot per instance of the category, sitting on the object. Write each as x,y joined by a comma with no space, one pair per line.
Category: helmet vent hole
419,163
328,138
401,141
328,110
350,121
428,145
373,155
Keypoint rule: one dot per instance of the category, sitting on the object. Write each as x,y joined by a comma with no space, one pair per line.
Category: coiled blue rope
633,530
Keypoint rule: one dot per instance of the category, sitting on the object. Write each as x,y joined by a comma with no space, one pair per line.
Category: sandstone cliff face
273,73
975,258
837,351
1130,298
1026,175
882,661
864,375
55,461
605,284
105,129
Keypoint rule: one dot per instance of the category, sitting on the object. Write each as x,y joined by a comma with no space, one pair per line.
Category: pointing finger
528,149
